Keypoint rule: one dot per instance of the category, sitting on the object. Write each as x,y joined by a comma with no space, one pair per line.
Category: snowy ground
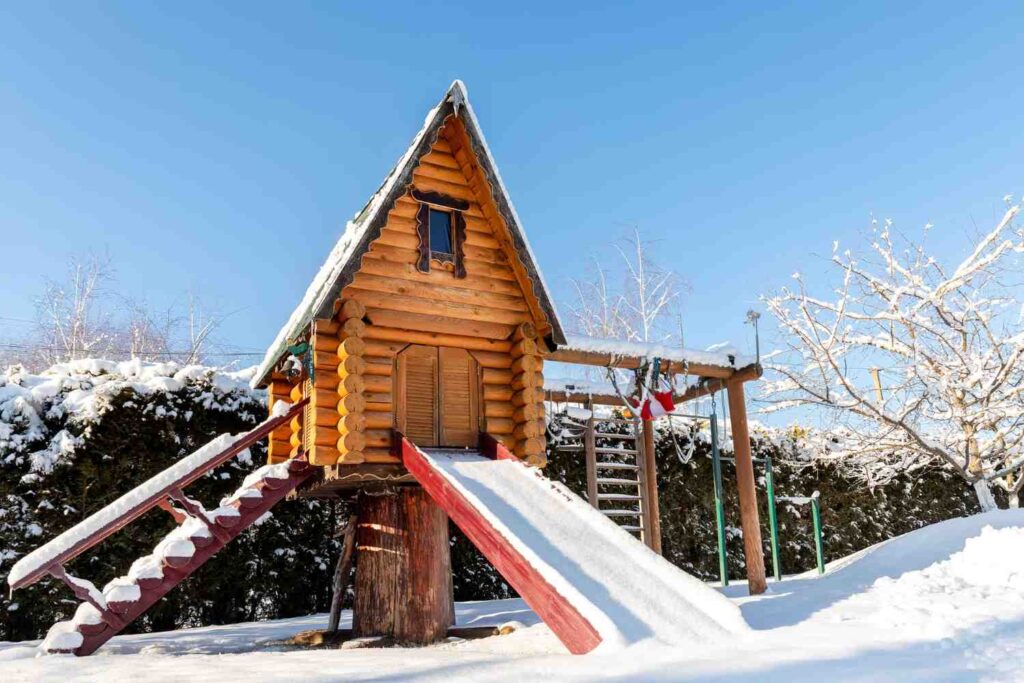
945,603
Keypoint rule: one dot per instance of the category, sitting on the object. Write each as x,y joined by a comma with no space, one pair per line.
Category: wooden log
378,402
435,292
295,440
351,458
527,430
351,347
524,347
323,455
377,438
354,441
342,571
326,327
379,420
498,269
296,393
425,585
497,377
378,549
438,172
494,409
493,359
403,337
324,416
353,327
351,403
377,384
527,396
526,330
438,323
528,380
381,456
422,303
353,365
752,549
378,367
526,413
403,568
529,447
526,365
352,384
437,158
476,281
324,343
375,348
499,426
354,422
351,309
497,392
651,484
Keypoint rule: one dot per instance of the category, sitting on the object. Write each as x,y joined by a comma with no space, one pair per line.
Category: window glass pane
440,231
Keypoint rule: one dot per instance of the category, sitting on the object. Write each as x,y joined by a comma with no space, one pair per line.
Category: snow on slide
624,590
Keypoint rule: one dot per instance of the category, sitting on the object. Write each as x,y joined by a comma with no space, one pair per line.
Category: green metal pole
816,517
773,522
716,468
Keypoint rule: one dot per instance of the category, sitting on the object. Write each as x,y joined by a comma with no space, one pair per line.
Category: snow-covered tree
918,363
635,300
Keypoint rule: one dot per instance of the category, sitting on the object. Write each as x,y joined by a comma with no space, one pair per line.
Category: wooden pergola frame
711,378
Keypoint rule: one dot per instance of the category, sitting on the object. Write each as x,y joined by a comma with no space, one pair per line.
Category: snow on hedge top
78,392
721,355
345,249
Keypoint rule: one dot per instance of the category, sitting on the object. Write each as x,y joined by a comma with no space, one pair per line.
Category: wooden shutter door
459,398
417,394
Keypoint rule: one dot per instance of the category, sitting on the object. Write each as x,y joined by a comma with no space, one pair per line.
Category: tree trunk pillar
403,568
756,581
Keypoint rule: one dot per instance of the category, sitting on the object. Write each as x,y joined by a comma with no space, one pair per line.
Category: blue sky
221,148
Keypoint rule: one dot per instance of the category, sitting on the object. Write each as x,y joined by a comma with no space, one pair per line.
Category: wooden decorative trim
438,199
458,240
423,231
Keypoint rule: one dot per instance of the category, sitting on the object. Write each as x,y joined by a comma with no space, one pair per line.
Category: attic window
442,231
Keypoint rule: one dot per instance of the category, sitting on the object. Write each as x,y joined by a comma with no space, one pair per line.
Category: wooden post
756,582
590,457
653,512
341,573
403,568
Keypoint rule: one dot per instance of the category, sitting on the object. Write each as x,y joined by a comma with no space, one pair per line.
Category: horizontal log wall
279,447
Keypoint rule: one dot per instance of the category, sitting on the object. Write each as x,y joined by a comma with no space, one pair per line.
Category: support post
341,573
590,456
403,569
773,522
749,521
650,464
816,519
716,469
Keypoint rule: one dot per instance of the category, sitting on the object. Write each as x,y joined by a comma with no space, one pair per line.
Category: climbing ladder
199,535
616,476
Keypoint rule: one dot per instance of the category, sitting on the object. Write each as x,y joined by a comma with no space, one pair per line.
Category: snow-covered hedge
78,435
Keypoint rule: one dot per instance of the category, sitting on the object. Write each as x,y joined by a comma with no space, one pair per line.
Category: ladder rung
617,496
630,527
611,481
620,513
570,448
604,435
615,451
616,466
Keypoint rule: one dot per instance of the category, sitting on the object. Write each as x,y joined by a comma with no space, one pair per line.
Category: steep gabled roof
343,262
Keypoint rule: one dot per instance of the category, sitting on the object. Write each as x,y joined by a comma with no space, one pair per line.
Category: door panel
417,394
438,396
459,401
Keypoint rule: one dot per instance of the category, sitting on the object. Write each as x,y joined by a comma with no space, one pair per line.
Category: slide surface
592,582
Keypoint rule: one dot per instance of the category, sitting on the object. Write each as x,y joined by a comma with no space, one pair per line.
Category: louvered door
458,398
417,394
438,396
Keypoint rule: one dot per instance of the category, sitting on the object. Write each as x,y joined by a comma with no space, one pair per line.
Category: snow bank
628,593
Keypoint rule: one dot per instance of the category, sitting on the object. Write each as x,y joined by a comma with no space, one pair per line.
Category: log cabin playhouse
415,358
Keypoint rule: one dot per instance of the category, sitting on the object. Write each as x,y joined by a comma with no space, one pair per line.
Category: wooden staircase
616,476
200,534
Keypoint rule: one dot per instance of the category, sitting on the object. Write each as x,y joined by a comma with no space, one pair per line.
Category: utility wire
21,347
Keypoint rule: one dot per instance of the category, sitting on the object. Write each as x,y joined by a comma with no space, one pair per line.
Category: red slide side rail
575,632
160,496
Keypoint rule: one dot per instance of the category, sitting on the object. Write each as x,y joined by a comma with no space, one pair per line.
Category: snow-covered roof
343,261
722,356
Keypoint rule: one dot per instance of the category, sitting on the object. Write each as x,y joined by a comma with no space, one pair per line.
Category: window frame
455,207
